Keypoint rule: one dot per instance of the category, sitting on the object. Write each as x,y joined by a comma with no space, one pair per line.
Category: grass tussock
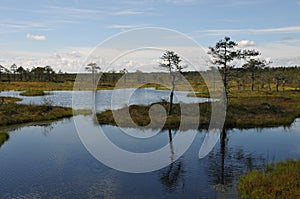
19,113
4,100
34,93
281,180
4,136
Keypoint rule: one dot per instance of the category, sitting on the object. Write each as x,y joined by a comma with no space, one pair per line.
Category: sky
63,33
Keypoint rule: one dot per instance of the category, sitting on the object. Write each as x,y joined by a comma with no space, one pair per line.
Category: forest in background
268,78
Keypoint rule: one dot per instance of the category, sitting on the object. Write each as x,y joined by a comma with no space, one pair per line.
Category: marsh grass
20,113
34,93
4,136
21,86
281,180
243,111
4,100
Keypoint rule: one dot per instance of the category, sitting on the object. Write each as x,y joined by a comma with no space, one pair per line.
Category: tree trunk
172,94
262,85
252,81
277,85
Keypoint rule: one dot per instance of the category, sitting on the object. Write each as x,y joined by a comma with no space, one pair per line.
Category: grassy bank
281,180
243,111
4,100
19,113
34,93
21,86
3,137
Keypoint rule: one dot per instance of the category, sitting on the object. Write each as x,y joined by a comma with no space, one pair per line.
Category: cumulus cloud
36,37
246,43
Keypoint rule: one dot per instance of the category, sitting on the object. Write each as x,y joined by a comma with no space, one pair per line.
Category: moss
281,180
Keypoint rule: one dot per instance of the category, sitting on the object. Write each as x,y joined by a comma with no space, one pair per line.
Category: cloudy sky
63,33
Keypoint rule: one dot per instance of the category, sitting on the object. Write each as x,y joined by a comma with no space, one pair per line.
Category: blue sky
60,33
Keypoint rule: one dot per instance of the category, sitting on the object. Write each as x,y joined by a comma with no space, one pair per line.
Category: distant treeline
266,78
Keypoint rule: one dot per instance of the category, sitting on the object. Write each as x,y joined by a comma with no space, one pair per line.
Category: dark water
51,162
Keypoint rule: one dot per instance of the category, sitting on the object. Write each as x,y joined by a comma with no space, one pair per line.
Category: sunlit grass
20,113
21,86
4,100
243,111
281,180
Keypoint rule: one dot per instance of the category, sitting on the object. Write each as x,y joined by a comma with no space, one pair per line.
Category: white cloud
287,29
246,43
73,59
67,60
69,10
36,37
11,25
281,54
185,1
118,26
127,12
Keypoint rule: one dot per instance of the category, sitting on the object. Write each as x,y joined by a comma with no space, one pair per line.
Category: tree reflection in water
226,164
173,174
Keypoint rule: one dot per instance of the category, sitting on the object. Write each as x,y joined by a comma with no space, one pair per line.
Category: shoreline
242,113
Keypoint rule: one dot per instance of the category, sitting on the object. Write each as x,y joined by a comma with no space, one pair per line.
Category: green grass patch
20,113
4,136
34,93
281,180
21,86
9,100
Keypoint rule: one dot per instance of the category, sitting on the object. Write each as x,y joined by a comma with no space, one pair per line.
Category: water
103,98
51,162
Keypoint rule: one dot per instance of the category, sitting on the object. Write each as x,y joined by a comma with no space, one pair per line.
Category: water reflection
58,166
174,173
226,164
48,127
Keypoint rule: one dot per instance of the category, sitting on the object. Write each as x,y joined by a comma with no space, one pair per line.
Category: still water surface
50,162
84,99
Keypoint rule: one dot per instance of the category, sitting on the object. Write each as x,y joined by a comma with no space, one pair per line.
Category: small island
244,110
34,93
13,113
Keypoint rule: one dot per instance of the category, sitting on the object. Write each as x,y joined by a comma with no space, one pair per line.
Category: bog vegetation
281,180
